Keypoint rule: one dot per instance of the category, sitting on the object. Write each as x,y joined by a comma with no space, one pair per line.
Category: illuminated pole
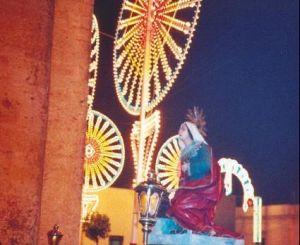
144,103
145,90
257,220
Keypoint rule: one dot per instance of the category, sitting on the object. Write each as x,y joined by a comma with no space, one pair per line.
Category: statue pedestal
192,239
159,236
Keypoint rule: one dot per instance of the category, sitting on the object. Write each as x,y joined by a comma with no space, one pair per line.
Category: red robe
194,209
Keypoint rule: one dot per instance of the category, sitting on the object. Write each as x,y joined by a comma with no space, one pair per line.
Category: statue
200,187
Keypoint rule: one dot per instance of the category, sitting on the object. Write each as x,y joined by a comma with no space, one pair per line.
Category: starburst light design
173,23
167,164
104,153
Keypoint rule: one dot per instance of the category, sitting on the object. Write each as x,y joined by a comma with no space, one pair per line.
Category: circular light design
167,165
172,27
104,153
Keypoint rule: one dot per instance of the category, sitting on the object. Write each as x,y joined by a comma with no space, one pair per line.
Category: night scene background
243,70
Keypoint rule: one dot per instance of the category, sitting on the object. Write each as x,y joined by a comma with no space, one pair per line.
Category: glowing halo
93,67
170,39
167,163
104,153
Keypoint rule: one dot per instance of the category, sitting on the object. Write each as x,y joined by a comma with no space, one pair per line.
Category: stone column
64,152
25,41
43,88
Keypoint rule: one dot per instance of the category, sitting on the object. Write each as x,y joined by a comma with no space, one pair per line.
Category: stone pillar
25,39
64,152
43,88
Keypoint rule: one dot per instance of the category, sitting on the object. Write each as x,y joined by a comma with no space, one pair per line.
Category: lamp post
150,195
54,236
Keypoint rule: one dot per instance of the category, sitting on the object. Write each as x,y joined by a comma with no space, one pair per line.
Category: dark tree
97,227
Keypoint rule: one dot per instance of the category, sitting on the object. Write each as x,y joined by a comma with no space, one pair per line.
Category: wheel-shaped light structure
93,67
173,23
104,153
167,164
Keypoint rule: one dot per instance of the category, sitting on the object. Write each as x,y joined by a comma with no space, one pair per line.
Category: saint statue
200,187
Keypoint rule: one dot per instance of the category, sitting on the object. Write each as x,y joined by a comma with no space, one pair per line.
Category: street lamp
150,195
54,236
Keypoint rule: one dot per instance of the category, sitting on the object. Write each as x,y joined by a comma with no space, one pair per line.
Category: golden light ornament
93,67
104,153
154,32
152,126
151,44
89,205
167,165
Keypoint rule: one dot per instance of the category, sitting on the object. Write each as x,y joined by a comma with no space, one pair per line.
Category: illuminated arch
94,62
231,167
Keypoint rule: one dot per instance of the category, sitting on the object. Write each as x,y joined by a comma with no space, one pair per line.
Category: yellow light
93,67
152,126
167,31
104,153
88,205
167,163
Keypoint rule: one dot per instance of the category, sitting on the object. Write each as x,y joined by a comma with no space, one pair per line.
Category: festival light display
152,41
257,219
104,153
93,67
151,45
152,126
167,163
231,167
89,205
104,149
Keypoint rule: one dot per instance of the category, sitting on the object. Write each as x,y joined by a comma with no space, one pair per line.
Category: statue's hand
172,194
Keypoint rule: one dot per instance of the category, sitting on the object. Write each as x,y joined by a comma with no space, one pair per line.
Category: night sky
242,69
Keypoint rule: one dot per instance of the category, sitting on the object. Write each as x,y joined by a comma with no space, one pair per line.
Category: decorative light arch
231,167
104,151
94,62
